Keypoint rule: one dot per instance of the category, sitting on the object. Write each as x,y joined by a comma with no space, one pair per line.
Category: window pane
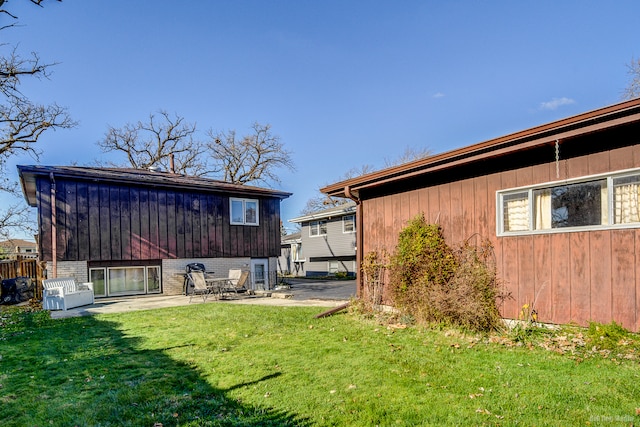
153,279
348,224
251,216
116,281
237,212
323,227
516,211
576,205
542,205
126,280
626,196
97,277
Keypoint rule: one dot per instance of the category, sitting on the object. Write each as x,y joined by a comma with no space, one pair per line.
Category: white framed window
594,202
318,228
244,211
349,224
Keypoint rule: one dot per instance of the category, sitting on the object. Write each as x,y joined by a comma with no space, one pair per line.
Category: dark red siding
577,276
102,222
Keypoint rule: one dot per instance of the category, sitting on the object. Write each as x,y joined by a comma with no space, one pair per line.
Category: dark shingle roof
139,177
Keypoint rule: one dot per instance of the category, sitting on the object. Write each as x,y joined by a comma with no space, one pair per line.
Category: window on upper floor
244,211
318,228
349,224
597,202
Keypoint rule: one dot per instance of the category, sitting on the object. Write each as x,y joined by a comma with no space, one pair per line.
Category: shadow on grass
84,371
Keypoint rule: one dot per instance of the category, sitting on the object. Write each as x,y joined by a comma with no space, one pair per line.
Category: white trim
340,211
319,231
257,281
354,224
244,211
609,176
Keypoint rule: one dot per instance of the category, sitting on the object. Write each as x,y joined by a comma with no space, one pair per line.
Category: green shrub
432,282
606,337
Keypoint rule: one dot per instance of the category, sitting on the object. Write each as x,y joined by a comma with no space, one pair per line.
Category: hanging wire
557,159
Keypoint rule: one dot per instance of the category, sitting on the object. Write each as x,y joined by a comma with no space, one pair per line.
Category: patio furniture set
66,293
205,286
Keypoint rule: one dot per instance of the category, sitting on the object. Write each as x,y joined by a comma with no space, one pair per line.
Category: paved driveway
309,289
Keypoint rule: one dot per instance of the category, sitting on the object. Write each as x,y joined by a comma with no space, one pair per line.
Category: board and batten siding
571,276
98,222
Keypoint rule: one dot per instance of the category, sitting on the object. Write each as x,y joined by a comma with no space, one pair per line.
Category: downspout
359,238
54,229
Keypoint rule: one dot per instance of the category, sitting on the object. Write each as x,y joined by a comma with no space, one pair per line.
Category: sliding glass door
133,280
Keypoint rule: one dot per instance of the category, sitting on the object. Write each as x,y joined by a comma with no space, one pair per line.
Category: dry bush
374,267
432,282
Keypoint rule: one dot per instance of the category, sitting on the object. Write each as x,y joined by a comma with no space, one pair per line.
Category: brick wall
173,270
76,269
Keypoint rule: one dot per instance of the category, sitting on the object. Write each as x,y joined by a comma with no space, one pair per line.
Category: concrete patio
303,292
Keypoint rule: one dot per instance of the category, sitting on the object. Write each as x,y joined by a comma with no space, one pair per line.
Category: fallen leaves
487,412
566,342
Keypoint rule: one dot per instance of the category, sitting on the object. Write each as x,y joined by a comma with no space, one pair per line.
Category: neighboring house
132,231
559,202
328,241
14,247
290,262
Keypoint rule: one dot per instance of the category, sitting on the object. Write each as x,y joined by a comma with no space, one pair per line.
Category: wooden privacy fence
23,266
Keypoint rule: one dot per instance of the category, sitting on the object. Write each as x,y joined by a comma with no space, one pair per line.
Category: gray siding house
327,242
289,261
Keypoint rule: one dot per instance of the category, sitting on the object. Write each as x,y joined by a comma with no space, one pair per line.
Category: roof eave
614,115
28,177
327,214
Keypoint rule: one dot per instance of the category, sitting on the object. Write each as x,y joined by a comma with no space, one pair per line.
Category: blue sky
343,83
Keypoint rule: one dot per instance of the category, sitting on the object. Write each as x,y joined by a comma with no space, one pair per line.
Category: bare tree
22,121
155,142
254,158
323,201
15,217
633,88
410,154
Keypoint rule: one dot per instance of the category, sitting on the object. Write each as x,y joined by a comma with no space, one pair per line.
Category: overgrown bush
433,282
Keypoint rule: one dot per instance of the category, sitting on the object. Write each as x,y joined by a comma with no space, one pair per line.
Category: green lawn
217,364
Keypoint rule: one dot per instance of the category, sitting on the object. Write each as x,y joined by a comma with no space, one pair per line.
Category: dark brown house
132,231
559,202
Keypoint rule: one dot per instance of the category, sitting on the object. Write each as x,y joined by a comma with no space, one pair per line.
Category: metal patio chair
200,287
237,283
